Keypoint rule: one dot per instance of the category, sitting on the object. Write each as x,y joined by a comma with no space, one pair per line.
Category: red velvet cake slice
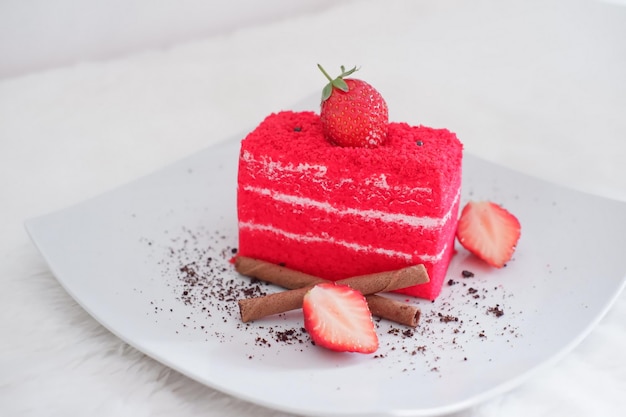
336,212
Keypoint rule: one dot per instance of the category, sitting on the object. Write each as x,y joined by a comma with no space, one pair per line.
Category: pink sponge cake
335,212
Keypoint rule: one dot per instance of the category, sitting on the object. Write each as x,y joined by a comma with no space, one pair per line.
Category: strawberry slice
338,318
488,231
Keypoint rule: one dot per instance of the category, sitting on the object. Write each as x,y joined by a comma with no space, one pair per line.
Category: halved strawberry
338,318
488,231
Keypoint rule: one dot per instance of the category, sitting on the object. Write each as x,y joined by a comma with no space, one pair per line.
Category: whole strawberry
353,113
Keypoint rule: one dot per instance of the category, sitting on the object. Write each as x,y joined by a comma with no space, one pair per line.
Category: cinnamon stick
300,283
393,310
274,274
380,306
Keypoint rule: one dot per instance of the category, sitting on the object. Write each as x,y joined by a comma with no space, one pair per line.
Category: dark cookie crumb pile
196,266
460,317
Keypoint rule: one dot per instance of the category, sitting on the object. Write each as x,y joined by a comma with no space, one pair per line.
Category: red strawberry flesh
338,318
488,231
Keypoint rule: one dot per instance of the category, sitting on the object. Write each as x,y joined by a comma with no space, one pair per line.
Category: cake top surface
410,151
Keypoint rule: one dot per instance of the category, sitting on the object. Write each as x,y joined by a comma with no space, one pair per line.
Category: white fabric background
535,85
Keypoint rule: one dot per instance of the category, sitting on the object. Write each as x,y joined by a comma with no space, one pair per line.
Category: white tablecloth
539,86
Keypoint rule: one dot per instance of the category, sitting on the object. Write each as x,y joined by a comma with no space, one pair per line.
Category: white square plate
150,261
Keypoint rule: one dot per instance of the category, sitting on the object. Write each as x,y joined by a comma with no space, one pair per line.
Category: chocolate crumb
290,336
447,318
467,274
261,341
496,311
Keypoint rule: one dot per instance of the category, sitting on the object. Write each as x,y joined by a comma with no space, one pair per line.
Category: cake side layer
357,247
299,241
333,258
375,228
317,181
253,198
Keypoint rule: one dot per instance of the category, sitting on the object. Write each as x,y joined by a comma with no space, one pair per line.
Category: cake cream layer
372,228
373,190
338,212
408,257
335,259
290,201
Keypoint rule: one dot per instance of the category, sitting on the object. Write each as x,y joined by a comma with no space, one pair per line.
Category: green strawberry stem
337,82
